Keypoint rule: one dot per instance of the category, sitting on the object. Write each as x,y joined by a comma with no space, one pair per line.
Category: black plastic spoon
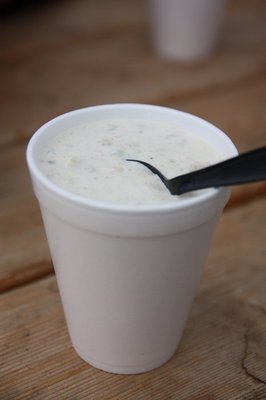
244,168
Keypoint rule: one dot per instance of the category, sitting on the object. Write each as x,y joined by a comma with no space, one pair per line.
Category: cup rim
99,205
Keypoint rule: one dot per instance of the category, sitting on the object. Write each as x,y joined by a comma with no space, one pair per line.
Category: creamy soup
90,160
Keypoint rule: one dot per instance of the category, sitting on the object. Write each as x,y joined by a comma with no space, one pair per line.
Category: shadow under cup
127,275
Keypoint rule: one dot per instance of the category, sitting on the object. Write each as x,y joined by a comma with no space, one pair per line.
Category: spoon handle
247,167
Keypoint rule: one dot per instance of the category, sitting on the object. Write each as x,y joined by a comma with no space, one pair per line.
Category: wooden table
58,56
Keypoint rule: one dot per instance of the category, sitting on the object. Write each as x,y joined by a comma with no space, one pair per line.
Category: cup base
124,369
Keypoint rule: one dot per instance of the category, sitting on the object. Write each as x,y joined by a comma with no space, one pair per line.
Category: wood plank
221,356
239,111
110,59
24,254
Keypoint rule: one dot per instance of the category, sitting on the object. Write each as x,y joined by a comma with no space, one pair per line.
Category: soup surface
90,160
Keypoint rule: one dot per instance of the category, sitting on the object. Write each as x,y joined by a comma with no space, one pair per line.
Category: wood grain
221,356
111,59
24,254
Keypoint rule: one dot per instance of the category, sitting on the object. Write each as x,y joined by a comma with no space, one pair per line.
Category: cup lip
99,205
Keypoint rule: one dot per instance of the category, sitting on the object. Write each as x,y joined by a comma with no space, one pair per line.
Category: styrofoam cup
127,275
186,30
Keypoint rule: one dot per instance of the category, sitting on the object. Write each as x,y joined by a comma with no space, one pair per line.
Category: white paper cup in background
127,275
186,30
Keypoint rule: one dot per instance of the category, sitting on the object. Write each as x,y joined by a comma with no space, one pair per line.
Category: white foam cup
186,30
127,275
